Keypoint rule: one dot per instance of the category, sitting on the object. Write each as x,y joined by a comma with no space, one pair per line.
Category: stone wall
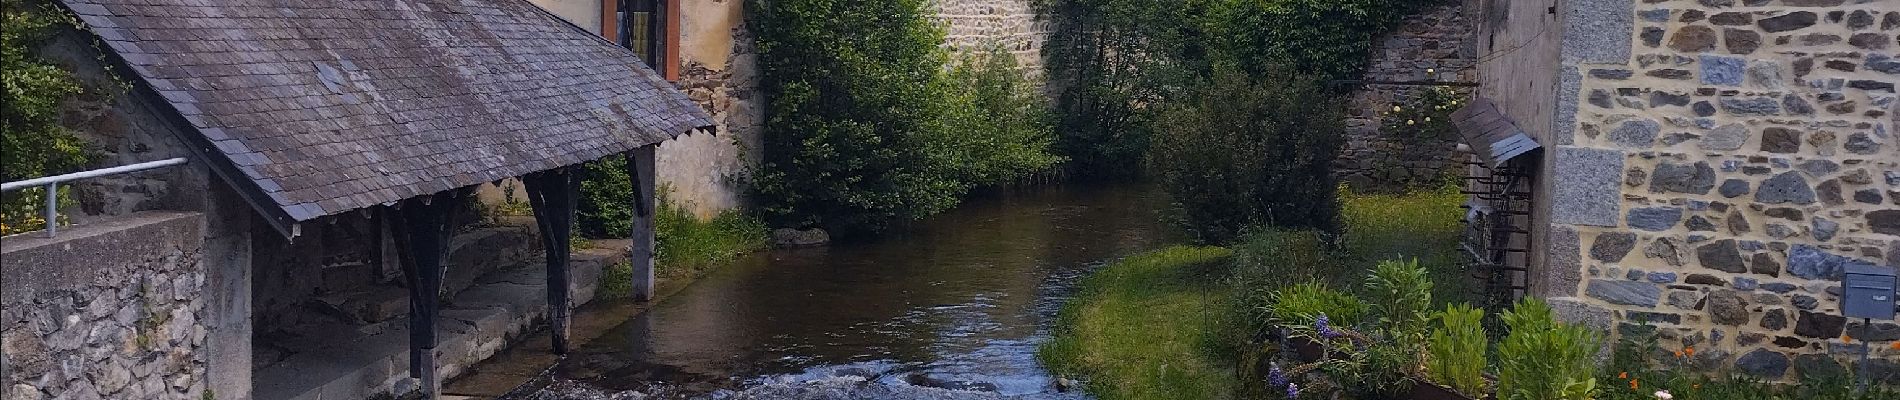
1716,165
719,70
1010,25
107,310
1437,45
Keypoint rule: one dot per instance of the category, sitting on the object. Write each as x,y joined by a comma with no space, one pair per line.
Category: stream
953,307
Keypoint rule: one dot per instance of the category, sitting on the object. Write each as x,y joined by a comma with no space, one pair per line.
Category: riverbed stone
1624,292
1725,137
1883,63
1654,219
1787,187
1682,178
1721,255
1763,363
1824,229
1870,41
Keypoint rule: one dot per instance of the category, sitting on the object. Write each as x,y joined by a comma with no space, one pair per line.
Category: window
642,27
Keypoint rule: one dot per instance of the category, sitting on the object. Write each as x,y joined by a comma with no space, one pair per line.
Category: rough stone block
1599,31
1586,189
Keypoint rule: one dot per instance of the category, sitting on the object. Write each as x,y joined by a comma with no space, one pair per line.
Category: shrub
1541,359
34,142
1328,38
1457,349
1108,61
1245,153
864,126
999,128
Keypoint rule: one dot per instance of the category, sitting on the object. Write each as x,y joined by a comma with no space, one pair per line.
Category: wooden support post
554,195
421,233
640,169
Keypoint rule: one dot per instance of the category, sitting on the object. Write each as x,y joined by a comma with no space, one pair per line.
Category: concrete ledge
495,311
31,263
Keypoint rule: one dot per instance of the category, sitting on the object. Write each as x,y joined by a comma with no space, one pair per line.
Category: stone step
367,359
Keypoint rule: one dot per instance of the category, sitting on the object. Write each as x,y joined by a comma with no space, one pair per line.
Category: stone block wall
1436,45
1010,25
109,310
1719,163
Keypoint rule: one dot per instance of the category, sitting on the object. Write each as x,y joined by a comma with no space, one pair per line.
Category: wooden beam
421,232
554,195
640,169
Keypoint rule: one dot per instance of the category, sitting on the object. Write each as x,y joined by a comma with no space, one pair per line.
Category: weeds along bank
1377,312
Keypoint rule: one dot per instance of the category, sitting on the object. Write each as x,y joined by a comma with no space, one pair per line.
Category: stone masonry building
1709,167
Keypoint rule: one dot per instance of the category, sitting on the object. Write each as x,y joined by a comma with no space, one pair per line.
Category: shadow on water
959,301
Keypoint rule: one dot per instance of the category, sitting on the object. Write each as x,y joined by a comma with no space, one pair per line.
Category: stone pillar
227,266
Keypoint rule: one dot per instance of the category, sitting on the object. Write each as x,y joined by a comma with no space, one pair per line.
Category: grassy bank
1185,322
686,245
1142,328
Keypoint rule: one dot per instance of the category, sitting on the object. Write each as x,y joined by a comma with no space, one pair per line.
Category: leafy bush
1457,349
865,127
34,142
1244,153
1108,61
1426,115
999,128
1542,359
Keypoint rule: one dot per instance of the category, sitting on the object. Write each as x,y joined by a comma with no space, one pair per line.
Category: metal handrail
52,185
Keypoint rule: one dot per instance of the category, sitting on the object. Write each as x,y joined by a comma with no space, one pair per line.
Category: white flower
1664,395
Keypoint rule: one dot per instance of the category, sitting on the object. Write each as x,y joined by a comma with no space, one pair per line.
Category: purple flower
1324,327
1292,390
1276,377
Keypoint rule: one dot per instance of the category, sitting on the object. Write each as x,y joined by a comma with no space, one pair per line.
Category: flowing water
950,308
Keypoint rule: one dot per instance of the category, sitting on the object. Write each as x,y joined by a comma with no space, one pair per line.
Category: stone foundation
112,310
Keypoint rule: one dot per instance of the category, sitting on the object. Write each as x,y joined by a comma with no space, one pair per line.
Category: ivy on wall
33,141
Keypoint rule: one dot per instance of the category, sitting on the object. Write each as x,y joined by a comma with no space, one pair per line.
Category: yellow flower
1428,119
1410,122
1397,109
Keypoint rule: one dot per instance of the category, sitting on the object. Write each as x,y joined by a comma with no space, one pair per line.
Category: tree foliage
867,126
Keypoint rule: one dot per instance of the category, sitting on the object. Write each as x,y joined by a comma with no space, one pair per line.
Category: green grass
1424,225
687,246
1147,327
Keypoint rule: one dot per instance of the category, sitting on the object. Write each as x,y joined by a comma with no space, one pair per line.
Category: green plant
1457,349
1301,305
1400,296
1542,359
1247,152
1328,38
34,142
1424,225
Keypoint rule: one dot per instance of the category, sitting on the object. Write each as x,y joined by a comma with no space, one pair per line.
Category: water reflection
958,301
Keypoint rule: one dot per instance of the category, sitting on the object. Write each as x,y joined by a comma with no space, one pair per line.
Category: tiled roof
334,105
